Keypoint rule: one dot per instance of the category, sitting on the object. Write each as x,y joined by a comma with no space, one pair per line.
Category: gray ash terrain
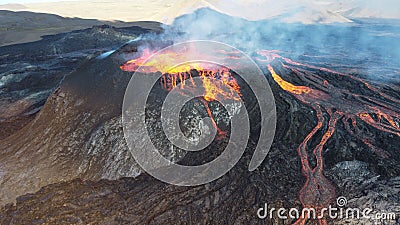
64,159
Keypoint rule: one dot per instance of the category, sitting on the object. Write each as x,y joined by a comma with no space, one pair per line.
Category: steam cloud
372,47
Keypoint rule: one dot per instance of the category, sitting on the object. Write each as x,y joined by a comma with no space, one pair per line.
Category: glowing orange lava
332,104
183,74
379,113
297,90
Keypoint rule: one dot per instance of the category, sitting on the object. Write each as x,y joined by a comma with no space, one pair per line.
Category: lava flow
340,104
331,102
184,73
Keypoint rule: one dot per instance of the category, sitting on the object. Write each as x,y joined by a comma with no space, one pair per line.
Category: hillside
21,27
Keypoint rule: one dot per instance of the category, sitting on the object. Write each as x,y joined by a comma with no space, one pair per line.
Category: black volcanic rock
78,134
145,200
73,156
58,139
30,72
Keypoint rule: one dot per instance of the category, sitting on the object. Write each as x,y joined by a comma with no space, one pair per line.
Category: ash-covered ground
64,159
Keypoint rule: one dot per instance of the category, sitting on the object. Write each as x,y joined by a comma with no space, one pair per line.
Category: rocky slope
72,157
30,72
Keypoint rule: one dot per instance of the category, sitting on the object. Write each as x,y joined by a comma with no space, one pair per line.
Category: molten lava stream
184,73
211,89
317,192
220,133
381,114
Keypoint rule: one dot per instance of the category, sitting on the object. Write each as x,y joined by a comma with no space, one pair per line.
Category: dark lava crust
73,159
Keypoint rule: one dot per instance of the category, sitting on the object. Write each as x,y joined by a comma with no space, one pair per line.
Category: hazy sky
24,1
381,4
376,3
27,1
383,8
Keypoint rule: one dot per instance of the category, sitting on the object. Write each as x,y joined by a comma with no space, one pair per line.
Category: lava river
331,103
341,105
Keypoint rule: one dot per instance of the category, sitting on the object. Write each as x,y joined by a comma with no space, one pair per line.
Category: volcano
338,132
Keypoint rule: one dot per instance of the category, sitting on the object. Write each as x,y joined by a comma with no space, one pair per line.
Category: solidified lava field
65,161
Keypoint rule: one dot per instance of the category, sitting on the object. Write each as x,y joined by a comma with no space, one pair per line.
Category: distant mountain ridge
165,11
15,28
